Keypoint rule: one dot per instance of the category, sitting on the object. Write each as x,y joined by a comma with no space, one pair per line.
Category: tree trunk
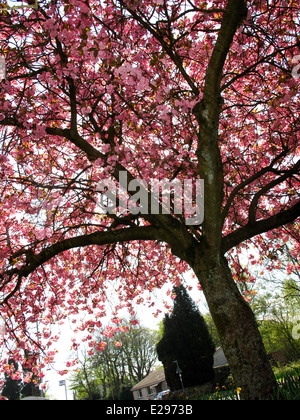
237,328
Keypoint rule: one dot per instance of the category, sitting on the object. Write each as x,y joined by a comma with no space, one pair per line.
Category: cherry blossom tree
164,89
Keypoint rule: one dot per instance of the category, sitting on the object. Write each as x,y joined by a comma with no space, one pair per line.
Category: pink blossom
40,131
101,346
106,148
27,378
290,268
92,92
63,372
71,363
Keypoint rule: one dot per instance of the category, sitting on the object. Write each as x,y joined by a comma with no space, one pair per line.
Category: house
150,386
155,383
277,358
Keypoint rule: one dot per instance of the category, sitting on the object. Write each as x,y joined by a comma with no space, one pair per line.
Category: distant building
277,358
155,383
150,386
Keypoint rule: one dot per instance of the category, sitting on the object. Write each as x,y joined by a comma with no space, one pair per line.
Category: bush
186,341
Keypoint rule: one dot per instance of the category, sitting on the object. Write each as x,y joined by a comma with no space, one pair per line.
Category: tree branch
75,138
97,238
267,188
249,181
264,59
262,226
167,48
174,230
233,16
207,113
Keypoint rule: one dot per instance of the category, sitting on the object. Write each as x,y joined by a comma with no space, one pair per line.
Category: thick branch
175,232
75,138
253,229
97,238
249,181
207,113
235,12
267,188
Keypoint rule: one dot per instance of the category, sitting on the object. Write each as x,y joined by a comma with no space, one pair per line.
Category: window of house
150,391
159,388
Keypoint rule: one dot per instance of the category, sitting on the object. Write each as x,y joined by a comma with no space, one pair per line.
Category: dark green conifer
186,339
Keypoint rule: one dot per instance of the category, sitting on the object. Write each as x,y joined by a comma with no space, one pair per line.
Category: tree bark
234,319
237,328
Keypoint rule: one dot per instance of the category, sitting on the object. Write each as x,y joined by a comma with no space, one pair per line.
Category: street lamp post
63,383
179,373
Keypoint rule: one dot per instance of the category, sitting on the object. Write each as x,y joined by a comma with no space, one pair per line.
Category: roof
153,378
